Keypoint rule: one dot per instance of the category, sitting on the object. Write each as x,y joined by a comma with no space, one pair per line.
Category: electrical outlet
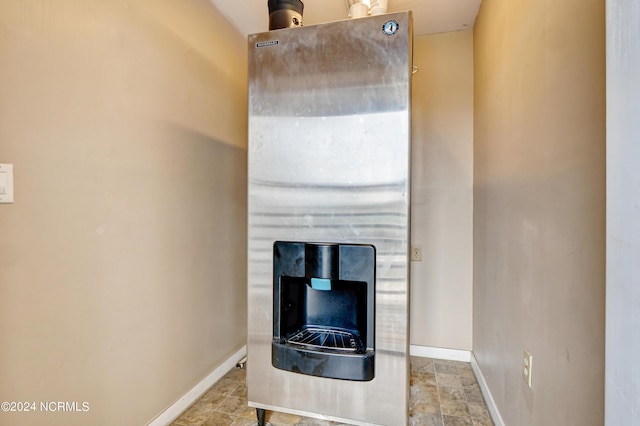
528,365
416,253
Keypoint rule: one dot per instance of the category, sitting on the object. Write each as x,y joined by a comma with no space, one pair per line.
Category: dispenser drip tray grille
327,338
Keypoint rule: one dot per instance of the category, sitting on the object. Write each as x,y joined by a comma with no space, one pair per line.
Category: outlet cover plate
6,183
416,253
527,367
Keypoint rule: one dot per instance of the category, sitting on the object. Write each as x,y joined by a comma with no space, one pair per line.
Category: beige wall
442,191
122,261
539,216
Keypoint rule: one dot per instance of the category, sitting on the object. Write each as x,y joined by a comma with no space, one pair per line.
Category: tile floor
443,393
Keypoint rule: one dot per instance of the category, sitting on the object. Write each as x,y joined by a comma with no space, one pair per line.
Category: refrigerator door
329,156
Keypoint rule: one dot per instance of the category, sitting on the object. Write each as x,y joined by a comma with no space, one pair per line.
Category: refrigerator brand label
390,27
267,43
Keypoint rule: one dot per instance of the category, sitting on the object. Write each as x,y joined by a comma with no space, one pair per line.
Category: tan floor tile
233,406
418,361
426,419
424,407
236,375
449,380
478,411
456,394
249,413
454,408
474,395
420,392
194,416
456,421
469,382
211,399
225,386
422,369
207,406
244,421
482,422
425,378
465,370
446,368
282,419
241,391
450,362
219,419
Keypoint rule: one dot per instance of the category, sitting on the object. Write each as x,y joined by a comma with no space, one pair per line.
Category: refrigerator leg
260,412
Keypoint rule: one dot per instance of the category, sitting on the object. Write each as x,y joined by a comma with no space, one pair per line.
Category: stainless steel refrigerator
328,266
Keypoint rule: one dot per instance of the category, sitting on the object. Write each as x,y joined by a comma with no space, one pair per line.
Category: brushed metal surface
329,161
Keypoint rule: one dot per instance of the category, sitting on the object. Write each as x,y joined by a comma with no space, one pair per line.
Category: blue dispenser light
321,284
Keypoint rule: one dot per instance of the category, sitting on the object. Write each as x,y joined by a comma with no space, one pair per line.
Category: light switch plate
6,183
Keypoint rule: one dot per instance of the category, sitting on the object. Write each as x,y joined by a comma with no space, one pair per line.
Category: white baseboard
440,353
178,407
488,398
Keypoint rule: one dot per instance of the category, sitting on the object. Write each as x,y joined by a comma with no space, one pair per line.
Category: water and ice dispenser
324,309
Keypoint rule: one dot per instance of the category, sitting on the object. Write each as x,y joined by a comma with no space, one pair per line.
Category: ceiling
429,16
